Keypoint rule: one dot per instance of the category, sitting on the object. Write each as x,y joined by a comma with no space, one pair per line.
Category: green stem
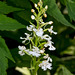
46,29
31,41
34,71
36,41
44,24
42,44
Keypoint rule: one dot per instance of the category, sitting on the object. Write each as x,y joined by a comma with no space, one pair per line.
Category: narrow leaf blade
7,23
4,54
5,9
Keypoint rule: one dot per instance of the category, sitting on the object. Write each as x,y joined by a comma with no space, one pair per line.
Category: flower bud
46,7
32,10
35,5
50,22
38,3
45,15
32,17
42,51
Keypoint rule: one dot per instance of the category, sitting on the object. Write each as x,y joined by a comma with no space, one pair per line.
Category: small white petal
24,41
49,59
51,31
21,47
27,36
22,38
46,37
55,33
30,27
49,66
34,29
45,64
21,53
44,68
46,45
52,48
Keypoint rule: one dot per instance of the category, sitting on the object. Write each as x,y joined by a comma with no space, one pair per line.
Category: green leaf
54,11
62,70
3,64
65,71
26,15
7,23
15,35
20,3
5,9
63,2
69,62
70,51
21,61
4,54
73,0
71,9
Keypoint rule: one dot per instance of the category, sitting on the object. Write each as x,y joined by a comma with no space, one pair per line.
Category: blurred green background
15,16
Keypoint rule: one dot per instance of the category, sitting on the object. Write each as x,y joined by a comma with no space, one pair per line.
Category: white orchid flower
39,32
46,37
21,48
51,31
48,58
30,28
45,65
27,37
35,51
49,43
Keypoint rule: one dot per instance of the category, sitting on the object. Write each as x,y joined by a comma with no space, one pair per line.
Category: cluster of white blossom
46,63
39,32
35,51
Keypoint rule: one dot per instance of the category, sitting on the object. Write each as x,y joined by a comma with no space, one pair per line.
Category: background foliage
15,16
